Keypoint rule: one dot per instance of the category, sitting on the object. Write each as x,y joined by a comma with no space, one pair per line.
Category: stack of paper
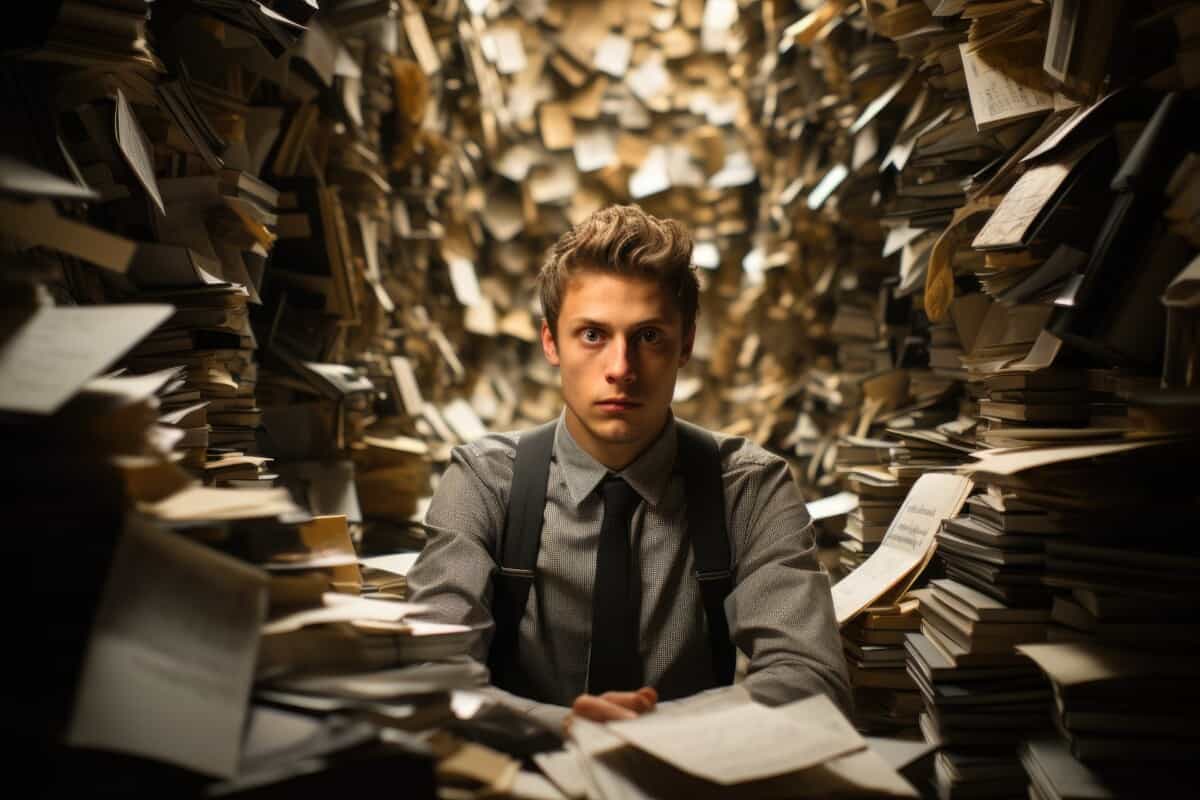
1120,705
723,744
886,700
981,696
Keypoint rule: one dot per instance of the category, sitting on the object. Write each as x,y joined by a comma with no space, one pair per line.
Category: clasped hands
612,706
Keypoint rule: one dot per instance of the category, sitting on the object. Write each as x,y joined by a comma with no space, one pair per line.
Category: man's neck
615,456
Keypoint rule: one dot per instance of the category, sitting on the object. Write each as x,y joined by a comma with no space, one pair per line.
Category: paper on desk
736,744
608,763
532,786
861,773
563,767
49,356
175,638
906,547
345,608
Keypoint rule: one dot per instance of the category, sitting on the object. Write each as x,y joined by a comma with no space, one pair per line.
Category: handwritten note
906,547
996,97
1013,221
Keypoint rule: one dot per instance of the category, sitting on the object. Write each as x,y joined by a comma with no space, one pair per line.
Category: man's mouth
618,404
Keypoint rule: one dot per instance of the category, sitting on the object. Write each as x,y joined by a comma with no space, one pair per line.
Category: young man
620,297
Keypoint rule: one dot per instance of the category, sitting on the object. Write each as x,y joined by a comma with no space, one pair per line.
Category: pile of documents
981,697
1121,707
722,744
266,263
886,700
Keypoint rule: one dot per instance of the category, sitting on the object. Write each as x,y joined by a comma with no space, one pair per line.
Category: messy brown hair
627,241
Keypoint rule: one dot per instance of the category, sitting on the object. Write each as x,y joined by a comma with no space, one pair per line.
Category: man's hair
626,241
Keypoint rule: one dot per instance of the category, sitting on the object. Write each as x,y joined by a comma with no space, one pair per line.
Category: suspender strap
699,461
518,548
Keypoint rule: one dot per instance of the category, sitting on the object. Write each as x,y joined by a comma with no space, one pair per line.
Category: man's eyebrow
595,323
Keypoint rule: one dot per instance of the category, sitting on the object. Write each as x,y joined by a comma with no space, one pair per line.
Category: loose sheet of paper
736,744
406,383
997,98
345,608
175,638
564,769
1010,462
907,545
132,143
45,361
396,563
210,503
37,224
833,506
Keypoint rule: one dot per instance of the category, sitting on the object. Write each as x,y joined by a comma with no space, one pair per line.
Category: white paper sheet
170,663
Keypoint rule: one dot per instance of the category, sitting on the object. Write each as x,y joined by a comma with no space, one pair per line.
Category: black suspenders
518,549
697,460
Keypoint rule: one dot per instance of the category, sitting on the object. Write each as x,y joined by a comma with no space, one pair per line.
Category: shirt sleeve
453,574
781,608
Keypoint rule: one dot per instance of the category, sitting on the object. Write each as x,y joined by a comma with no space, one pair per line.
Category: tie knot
619,497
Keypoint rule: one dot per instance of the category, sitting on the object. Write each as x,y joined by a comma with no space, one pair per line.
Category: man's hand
612,706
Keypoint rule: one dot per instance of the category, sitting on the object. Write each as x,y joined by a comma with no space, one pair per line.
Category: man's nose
619,368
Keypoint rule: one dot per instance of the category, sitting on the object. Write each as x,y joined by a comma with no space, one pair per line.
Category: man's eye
651,336
590,335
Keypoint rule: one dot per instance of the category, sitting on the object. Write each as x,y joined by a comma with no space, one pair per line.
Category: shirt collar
649,473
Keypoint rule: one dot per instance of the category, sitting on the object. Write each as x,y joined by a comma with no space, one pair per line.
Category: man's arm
453,574
781,609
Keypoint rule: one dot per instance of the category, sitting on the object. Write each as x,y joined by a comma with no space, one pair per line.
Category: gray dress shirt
780,611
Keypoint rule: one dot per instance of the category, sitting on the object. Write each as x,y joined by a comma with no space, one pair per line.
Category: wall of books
265,263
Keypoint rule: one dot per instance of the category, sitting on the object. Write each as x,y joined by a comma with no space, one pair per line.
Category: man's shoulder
738,452
491,456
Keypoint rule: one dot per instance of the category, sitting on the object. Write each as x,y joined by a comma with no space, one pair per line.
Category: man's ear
549,346
689,339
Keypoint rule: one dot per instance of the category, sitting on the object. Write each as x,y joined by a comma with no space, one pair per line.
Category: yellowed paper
907,545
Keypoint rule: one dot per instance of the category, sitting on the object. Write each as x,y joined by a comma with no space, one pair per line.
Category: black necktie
615,663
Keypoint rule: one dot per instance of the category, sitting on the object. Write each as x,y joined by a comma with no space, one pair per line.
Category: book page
170,663
1013,220
907,545
997,98
132,143
50,356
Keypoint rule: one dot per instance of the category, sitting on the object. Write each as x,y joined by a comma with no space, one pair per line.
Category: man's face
619,347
